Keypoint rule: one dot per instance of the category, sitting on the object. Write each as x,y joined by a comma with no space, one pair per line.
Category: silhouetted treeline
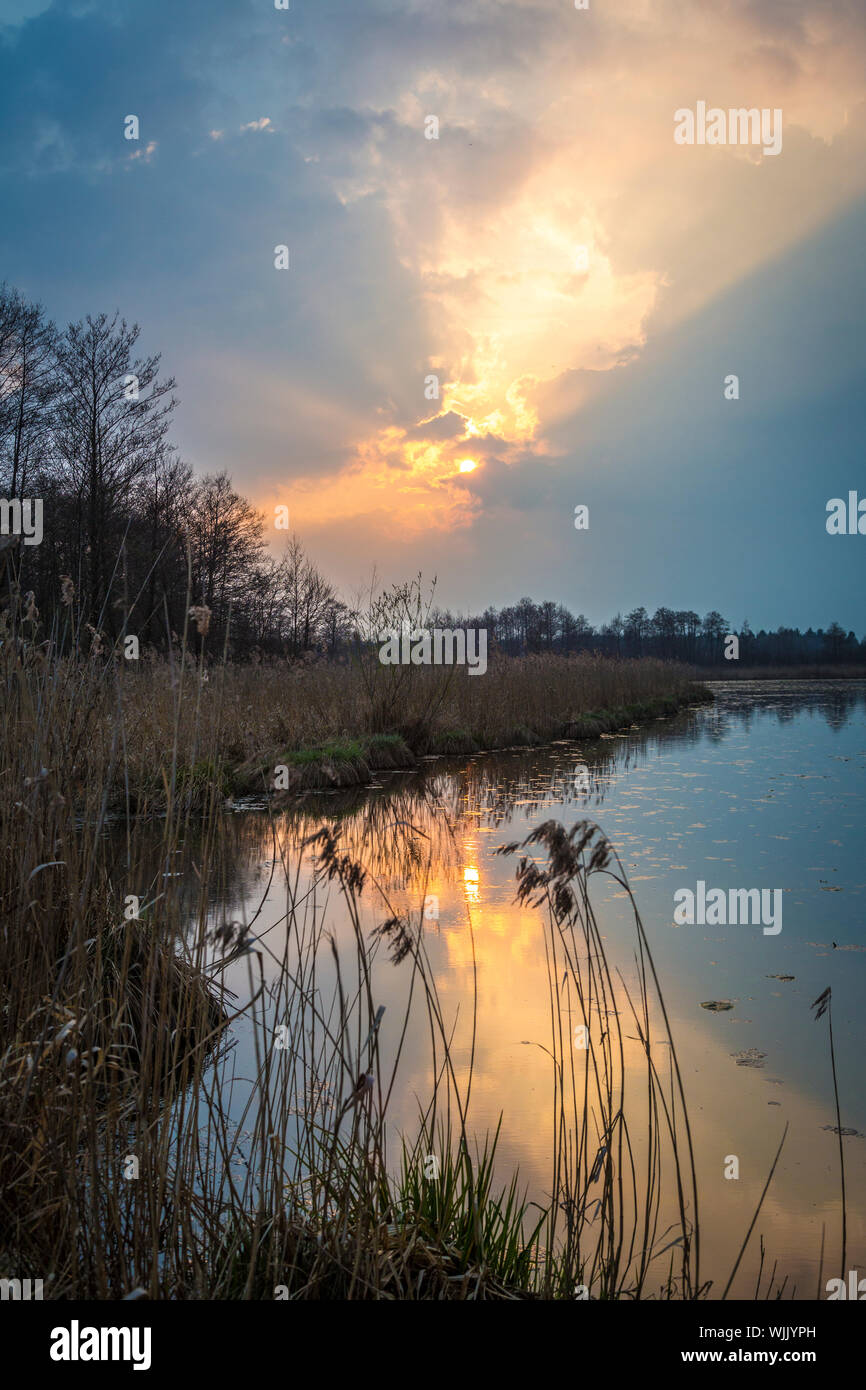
132,538
680,635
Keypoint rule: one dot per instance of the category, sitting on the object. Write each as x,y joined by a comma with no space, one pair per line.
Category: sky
580,284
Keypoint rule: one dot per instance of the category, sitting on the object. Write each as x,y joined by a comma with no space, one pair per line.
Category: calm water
767,789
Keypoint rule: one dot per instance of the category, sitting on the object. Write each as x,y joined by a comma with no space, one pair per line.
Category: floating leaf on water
751,1057
717,1005
846,1133
781,977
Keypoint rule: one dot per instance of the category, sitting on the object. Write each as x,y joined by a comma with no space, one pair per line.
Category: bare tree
225,535
28,385
110,427
306,598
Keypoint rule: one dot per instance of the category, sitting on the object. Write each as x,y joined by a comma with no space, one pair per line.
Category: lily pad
717,1005
751,1057
781,977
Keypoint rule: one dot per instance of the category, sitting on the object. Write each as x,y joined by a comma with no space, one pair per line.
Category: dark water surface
764,789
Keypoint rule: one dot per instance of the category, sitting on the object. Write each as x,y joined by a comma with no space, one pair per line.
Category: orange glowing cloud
553,219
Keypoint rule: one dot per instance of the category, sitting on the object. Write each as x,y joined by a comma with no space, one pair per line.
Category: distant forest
131,534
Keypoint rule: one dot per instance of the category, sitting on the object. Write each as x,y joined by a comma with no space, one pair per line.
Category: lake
766,789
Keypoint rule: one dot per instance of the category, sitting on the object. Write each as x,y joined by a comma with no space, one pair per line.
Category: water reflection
766,787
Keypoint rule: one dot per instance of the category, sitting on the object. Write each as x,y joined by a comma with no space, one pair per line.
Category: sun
467,465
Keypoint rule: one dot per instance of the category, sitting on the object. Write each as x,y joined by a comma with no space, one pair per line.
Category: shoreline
354,761
718,675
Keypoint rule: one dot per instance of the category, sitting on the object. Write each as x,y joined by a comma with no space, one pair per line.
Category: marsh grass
189,728
117,1042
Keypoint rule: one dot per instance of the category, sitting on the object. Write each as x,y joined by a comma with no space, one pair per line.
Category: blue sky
562,380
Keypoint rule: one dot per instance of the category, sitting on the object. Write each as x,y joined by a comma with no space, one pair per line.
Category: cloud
145,154
455,256
450,425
